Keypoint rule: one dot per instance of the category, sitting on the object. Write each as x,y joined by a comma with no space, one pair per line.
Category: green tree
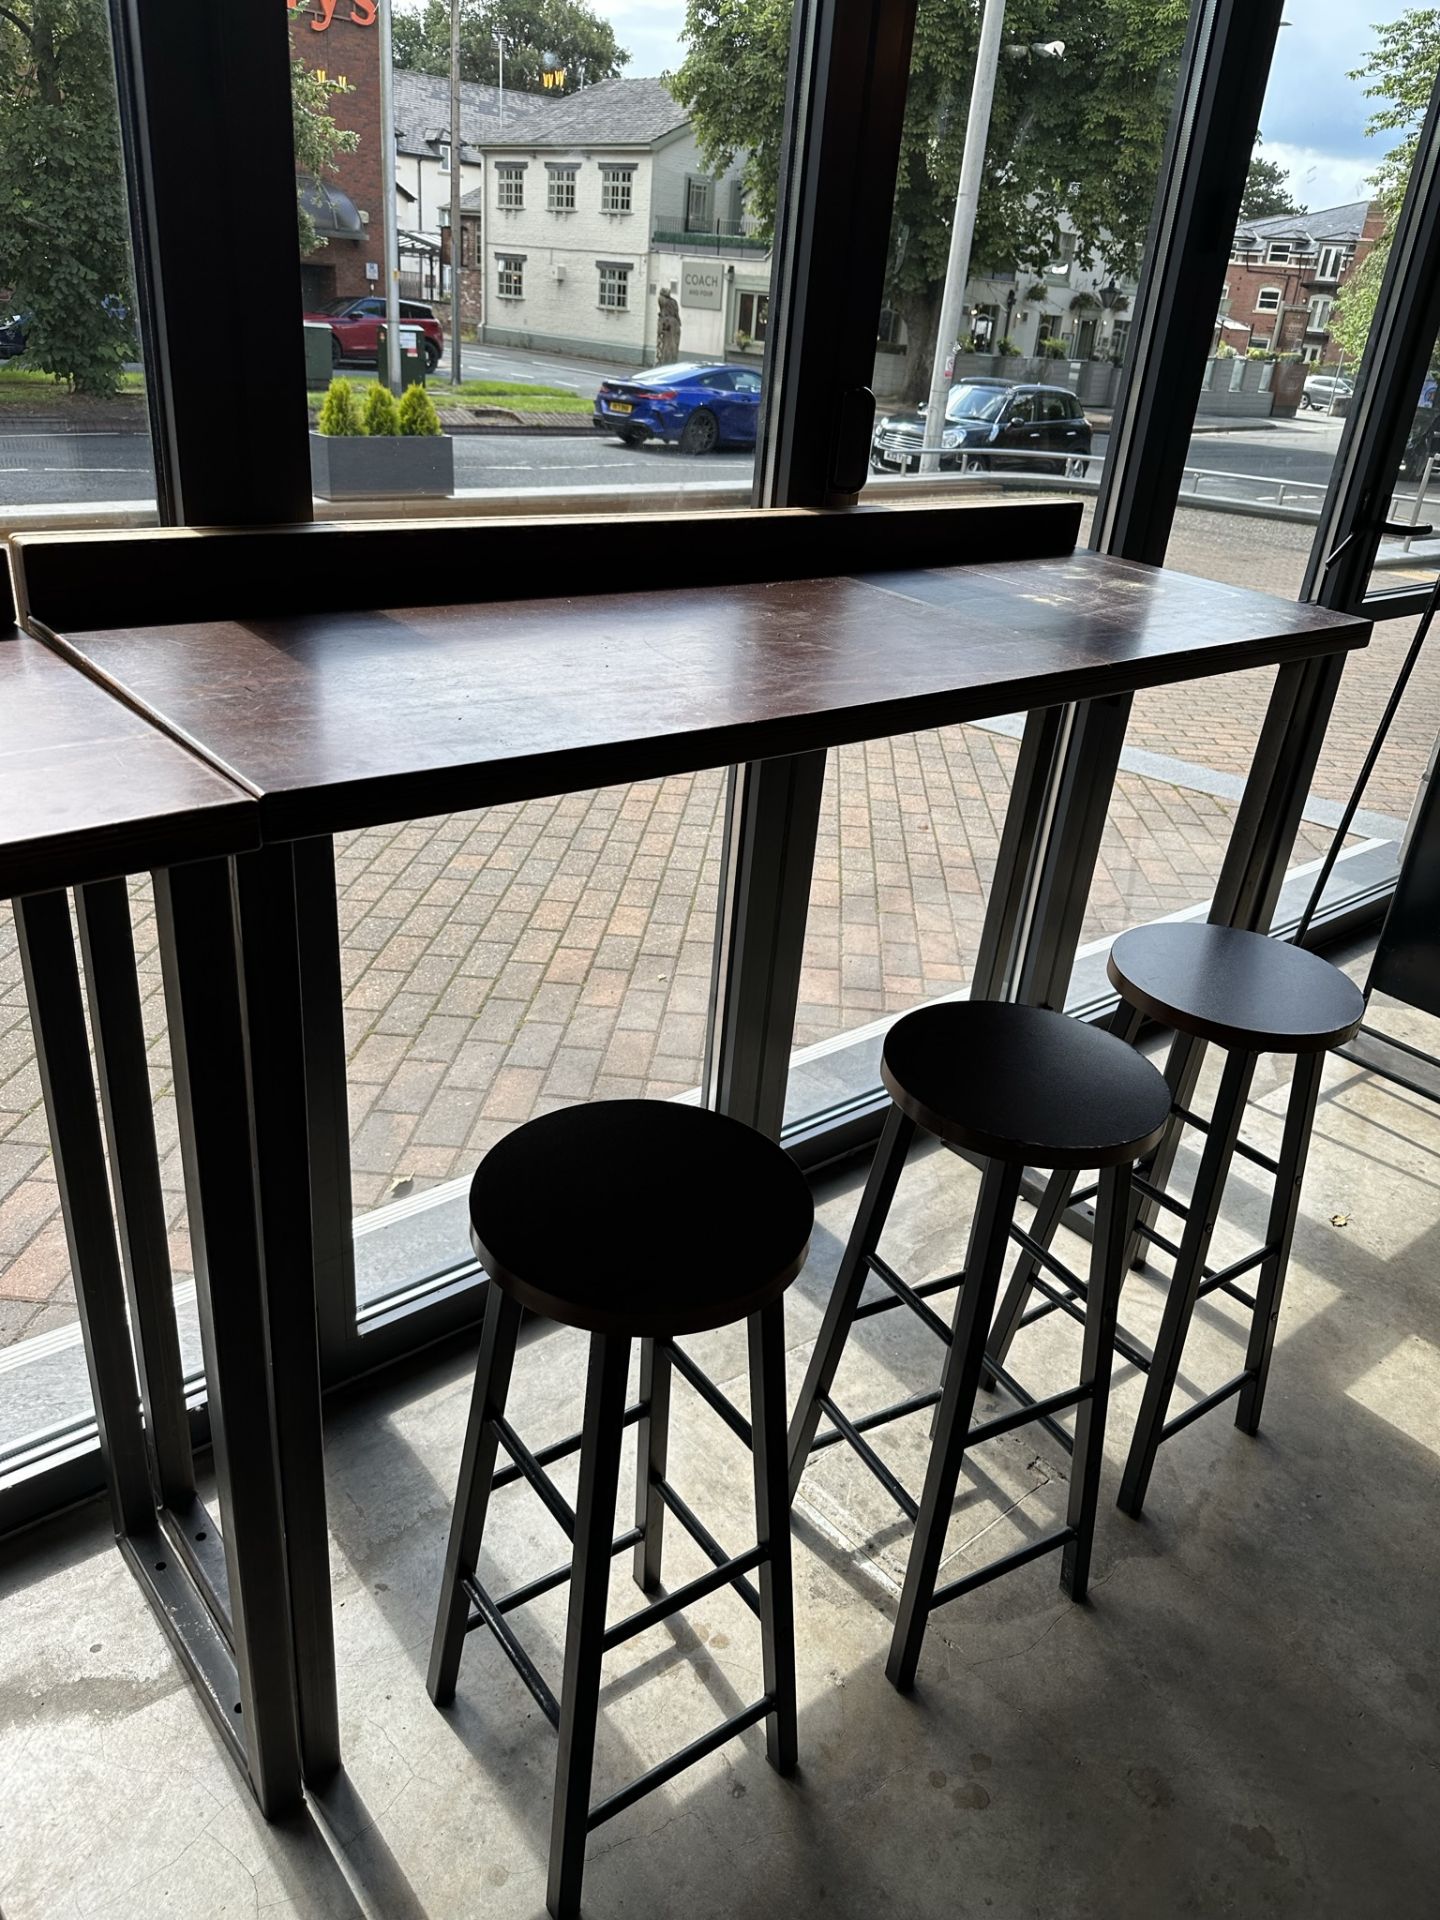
63,222
318,139
1267,191
1399,72
1080,137
584,45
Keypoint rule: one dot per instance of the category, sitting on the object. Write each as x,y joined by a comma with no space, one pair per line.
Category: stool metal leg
885,1171
985,1256
585,1628
1125,1024
1107,1276
655,1372
472,1496
772,1531
1185,1285
1048,1215
1279,1233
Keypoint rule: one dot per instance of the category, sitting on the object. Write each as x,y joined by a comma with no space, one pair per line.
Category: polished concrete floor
1242,1721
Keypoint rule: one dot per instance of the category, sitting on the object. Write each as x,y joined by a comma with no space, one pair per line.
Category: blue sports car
698,408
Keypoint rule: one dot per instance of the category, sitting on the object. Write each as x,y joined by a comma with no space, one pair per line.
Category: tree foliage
1080,137
1267,191
1398,72
584,45
63,220
318,139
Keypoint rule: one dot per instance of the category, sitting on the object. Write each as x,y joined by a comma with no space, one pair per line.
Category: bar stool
631,1219
1020,1087
1249,995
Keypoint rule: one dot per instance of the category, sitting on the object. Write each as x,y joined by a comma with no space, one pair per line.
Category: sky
1314,118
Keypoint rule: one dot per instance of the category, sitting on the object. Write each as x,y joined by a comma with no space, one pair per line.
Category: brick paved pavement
496,964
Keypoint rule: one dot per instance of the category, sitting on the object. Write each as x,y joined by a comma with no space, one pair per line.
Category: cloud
1320,179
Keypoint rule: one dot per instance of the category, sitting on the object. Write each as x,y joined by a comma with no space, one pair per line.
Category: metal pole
962,230
387,198
456,147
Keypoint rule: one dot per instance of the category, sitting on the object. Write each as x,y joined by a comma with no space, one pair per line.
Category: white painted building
422,161
599,204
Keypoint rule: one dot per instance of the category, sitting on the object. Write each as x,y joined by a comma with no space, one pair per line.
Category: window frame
616,275
510,186
617,184
1263,304
509,267
560,180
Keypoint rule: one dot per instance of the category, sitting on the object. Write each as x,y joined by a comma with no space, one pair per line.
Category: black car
12,337
990,424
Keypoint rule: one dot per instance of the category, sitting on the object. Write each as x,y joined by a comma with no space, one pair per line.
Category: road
45,467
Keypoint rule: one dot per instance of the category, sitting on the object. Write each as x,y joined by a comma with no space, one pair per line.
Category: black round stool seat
640,1217
1023,1085
1240,989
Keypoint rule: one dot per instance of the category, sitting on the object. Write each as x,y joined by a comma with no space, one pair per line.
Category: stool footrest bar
1157,1239
904,1291
709,1392
1159,1196
1048,1260
557,1450
510,1646
1246,1152
547,1582
1203,1406
1028,1405
924,1290
707,1744
897,1492
705,1540
1029,1409
555,1502
700,1588
1006,1564
1124,1344
900,1410
1223,1276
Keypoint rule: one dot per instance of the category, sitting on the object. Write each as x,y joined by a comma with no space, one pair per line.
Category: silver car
1322,390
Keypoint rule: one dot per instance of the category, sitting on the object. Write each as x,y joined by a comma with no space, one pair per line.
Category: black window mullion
206,117
1207,155
849,77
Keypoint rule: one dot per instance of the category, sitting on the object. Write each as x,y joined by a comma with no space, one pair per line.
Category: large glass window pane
74,440
611,278
502,963
73,429
1071,127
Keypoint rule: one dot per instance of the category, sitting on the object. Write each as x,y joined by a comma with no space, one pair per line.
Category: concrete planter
404,465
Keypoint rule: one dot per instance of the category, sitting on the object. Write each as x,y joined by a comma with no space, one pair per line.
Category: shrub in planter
340,416
1008,348
417,414
1052,348
381,415
404,452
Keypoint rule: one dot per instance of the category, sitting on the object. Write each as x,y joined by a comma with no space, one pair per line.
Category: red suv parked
355,326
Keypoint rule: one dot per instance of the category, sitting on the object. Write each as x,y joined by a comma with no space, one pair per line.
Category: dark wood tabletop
349,719
90,789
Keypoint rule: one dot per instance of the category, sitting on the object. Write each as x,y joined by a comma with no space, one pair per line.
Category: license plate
891,460
620,406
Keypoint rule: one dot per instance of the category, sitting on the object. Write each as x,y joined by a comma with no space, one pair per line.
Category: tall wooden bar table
91,792
765,641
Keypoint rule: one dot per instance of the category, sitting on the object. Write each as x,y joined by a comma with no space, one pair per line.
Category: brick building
1284,275
341,38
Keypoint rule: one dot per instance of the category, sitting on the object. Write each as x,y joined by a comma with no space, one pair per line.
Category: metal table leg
205,996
